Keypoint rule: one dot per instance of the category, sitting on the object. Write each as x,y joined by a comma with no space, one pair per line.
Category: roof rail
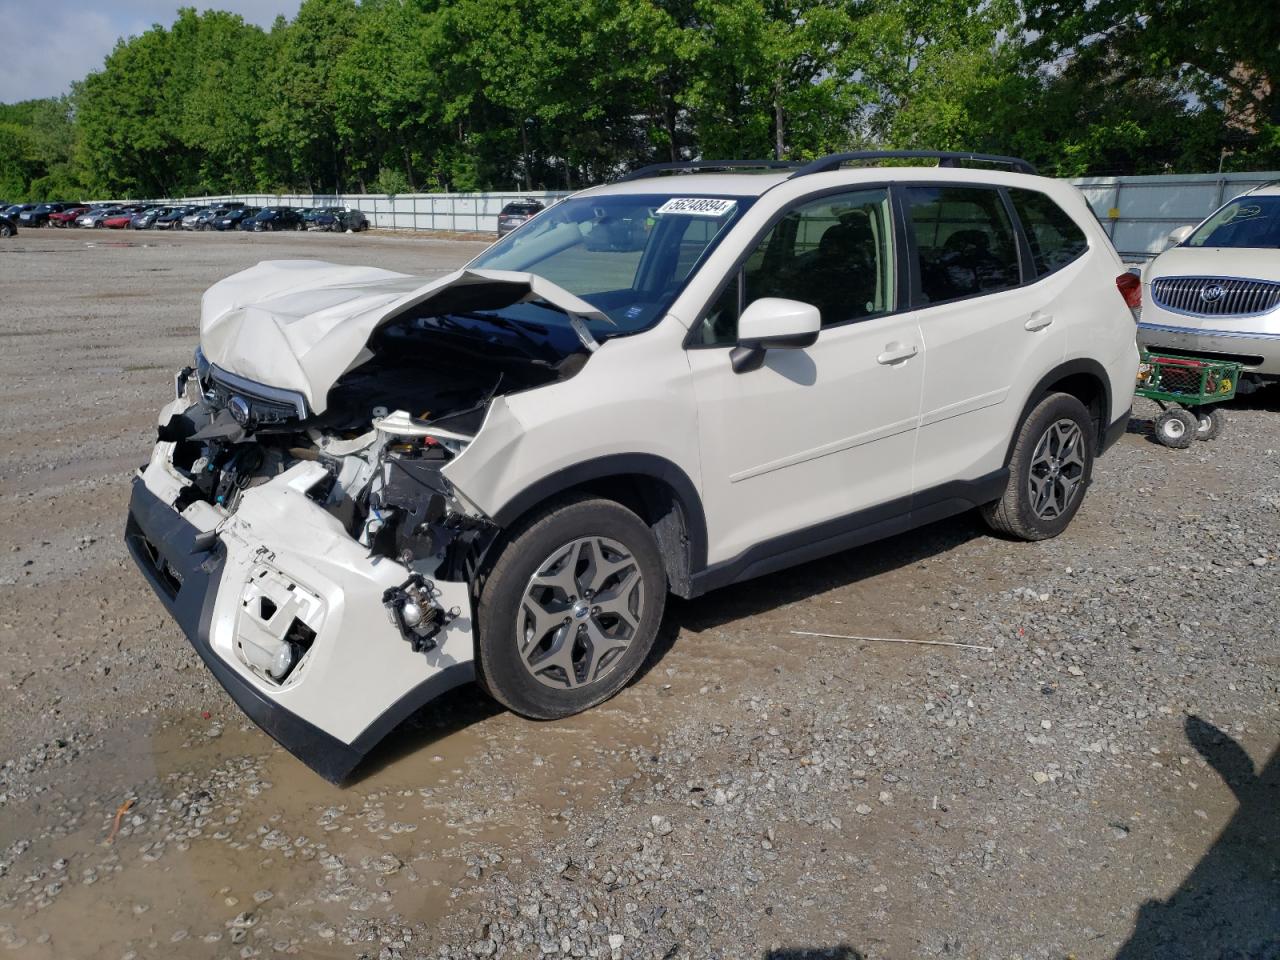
945,158
655,168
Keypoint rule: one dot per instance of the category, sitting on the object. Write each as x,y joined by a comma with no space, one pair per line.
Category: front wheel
1176,428
570,609
1049,471
6,230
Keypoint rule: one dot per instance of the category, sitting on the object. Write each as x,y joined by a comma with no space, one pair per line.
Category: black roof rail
654,168
945,158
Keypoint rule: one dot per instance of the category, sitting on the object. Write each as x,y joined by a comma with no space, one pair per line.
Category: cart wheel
1176,428
1211,423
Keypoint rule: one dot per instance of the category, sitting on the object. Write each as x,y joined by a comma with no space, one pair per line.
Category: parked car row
140,216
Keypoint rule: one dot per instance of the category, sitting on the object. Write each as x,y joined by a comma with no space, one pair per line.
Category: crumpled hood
301,324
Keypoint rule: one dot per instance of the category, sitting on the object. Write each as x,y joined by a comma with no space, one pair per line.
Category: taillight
1130,287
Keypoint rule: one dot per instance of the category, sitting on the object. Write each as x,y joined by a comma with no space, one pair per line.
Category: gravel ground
1103,782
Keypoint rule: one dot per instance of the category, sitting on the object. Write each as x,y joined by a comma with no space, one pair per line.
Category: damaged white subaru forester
372,487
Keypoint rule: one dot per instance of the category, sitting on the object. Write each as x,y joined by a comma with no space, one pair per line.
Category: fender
1081,365
619,465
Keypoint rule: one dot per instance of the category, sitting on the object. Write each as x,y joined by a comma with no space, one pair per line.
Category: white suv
372,487
1216,292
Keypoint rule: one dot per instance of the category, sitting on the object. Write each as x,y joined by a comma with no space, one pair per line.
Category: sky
50,43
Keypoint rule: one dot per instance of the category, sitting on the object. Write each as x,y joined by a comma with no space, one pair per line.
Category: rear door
987,327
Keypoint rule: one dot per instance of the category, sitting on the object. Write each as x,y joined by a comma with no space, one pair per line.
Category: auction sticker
698,206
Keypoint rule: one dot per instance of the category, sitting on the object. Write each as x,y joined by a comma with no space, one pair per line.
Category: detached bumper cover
186,568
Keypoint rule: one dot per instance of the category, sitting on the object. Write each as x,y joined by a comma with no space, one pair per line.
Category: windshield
627,255
1244,222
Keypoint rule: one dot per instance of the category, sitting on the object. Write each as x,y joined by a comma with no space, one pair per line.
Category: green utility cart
1188,391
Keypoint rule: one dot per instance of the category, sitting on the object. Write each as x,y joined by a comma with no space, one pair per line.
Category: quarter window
965,243
835,253
1054,237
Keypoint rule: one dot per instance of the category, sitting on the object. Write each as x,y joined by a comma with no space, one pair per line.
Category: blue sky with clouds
50,43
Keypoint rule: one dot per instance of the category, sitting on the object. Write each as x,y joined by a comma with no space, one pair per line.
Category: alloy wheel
580,611
1057,469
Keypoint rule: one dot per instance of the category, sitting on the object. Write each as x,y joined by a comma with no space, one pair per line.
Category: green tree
300,113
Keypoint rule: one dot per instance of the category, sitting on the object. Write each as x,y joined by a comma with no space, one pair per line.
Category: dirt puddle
227,843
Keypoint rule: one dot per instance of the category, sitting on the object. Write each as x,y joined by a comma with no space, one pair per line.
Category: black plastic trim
619,465
844,533
1115,431
945,158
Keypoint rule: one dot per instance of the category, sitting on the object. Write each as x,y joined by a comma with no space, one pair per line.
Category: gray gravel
1104,783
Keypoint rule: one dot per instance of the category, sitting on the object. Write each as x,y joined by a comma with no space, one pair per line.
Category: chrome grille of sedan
1215,296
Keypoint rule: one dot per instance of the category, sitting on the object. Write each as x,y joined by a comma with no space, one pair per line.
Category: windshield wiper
577,322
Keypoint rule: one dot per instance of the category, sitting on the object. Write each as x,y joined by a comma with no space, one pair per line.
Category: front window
629,255
1244,222
835,253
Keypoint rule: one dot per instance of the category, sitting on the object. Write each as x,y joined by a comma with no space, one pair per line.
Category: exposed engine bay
389,427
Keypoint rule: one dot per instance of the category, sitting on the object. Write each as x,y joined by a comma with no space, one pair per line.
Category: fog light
283,662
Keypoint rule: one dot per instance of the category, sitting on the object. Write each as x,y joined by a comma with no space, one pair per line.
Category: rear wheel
1210,422
6,229
1049,471
570,609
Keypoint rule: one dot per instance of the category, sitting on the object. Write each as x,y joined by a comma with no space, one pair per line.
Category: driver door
818,441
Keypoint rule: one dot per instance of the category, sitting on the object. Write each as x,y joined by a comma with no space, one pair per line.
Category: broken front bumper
358,678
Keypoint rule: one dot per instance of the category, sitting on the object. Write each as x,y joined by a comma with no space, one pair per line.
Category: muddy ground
1103,782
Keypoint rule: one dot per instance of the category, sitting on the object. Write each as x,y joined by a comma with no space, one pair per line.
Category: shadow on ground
842,952
758,596
1228,907
460,708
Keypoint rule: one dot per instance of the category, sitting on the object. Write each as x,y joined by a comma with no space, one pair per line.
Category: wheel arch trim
1080,366
620,465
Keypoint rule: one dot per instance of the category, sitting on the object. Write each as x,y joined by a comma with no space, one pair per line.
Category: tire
1049,471
1210,423
1176,428
516,611
6,230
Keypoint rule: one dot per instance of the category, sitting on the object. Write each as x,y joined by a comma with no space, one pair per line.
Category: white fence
452,212
1138,212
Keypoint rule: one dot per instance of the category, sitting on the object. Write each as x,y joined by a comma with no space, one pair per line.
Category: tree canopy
409,95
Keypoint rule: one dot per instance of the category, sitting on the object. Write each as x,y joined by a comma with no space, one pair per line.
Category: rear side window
964,241
1054,237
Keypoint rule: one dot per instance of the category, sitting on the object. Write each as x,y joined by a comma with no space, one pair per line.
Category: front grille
1215,296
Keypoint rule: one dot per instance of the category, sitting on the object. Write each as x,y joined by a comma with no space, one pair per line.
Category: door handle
896,353
1038,321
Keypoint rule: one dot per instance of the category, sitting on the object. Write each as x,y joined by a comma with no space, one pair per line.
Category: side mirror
1177,236
771,323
